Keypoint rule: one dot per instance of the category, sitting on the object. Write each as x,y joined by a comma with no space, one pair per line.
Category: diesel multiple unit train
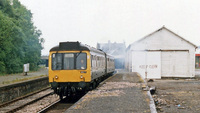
74,67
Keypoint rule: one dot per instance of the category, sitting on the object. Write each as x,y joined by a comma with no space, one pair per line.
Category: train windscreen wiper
78,54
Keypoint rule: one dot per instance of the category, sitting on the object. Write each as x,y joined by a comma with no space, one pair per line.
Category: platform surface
121,93
19,77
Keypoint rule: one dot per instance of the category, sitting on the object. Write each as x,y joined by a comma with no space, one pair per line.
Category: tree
20,40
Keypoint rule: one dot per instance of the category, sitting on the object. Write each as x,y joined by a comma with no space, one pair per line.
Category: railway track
47,108
56,107
42,101
20,103
60,106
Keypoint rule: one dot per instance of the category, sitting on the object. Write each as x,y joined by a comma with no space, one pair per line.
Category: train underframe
70,89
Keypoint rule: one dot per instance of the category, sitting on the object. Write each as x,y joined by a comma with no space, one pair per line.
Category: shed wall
177,55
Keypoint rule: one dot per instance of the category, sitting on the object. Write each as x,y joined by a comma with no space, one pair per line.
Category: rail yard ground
177,95
122,93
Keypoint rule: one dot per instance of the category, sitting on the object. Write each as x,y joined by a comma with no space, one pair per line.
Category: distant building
197,57
162,53
115,49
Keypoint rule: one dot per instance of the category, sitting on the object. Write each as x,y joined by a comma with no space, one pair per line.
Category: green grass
2,74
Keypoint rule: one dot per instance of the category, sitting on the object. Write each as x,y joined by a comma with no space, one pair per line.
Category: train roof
73,46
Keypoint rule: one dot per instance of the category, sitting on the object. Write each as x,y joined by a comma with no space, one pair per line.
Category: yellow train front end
69,69
66,71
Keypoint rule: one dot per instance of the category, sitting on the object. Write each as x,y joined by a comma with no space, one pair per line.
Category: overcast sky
92,21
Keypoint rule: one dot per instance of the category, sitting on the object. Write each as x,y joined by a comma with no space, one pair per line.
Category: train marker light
81,76
56,77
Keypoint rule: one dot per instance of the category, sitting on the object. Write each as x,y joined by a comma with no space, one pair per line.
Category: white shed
161,54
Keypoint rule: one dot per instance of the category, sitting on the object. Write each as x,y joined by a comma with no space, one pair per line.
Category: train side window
95,61
92,60
100,61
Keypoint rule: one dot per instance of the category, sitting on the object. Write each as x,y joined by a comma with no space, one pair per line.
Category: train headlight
56,77
81,76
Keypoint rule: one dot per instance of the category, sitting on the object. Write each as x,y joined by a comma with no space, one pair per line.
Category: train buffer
121,93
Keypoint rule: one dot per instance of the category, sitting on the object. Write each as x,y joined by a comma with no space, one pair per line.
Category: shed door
175,64
154,65
149,62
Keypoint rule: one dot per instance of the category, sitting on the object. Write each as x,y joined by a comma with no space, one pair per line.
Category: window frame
75,61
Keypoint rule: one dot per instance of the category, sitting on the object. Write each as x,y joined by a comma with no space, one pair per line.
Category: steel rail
20,98
45,109
28,103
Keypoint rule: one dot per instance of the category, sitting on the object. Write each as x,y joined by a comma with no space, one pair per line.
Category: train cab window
68,62
81,61
57,61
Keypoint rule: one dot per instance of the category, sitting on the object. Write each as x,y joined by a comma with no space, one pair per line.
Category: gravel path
7,79
121,93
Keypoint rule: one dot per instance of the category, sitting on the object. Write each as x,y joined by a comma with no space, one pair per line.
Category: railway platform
121,93
13,78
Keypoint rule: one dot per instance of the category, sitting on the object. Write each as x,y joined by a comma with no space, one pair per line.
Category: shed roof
160,30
